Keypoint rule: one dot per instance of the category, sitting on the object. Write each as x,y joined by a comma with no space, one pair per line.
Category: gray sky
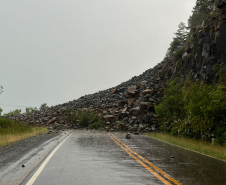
54,51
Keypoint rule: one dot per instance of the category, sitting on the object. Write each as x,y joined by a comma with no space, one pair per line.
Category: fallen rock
109,118
147,91
145,105
124,110
135,111
128,136
143,82
113,91
51,131
130,101
131,90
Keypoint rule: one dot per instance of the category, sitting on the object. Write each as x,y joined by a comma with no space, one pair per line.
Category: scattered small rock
51,131
128,136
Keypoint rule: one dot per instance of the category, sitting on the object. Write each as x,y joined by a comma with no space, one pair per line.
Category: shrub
71,116
194,110
96,125
221,70
172,103
205,106
85,118
13,127
178,54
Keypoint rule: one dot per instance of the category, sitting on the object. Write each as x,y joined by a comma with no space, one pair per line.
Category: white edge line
37,173
187,149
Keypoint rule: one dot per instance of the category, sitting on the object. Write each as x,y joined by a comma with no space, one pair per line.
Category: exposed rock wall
132,102
206,48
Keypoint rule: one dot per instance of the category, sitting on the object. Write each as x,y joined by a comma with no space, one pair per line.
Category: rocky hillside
132,102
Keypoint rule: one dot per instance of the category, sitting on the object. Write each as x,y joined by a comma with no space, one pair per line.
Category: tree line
27,110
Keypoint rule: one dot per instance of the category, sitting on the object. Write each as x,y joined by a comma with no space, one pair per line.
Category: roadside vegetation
193,114
191,144
195,110
27,110
11,131
84,118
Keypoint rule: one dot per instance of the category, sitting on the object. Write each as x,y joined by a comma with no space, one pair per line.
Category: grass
206,148
11,131
10,138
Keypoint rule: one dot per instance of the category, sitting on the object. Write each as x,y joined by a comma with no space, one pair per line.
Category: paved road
105,159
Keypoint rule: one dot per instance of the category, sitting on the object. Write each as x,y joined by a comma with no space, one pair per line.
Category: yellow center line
139,161
152,165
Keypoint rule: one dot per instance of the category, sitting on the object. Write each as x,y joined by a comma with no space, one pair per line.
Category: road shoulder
28,152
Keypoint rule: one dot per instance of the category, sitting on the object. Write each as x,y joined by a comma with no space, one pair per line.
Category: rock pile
132,102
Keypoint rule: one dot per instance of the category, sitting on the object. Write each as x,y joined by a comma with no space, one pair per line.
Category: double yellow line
154,170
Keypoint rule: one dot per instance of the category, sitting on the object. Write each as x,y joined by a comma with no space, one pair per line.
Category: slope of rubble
132,102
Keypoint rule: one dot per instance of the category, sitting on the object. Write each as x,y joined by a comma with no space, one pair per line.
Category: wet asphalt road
94,158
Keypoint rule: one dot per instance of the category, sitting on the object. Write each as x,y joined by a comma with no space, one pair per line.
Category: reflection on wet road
162,176
95,158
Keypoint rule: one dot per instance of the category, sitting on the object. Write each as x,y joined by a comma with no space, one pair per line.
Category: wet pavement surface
88,157
14,151
28,152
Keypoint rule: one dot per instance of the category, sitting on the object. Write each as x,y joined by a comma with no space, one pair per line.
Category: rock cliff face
132,102
205,49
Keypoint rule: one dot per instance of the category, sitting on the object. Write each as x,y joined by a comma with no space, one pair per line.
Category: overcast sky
54,51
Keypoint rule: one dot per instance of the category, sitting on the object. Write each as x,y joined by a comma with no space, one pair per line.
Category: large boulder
124,110
123,102
135,111
143,82
147,91
131,90
130,101
113,91
51,120
145,105
109,118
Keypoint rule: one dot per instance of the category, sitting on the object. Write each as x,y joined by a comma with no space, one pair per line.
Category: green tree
171,106
1,111
200,11
14,112
221,69
182,33
30,110
43,107
193,109
179,40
